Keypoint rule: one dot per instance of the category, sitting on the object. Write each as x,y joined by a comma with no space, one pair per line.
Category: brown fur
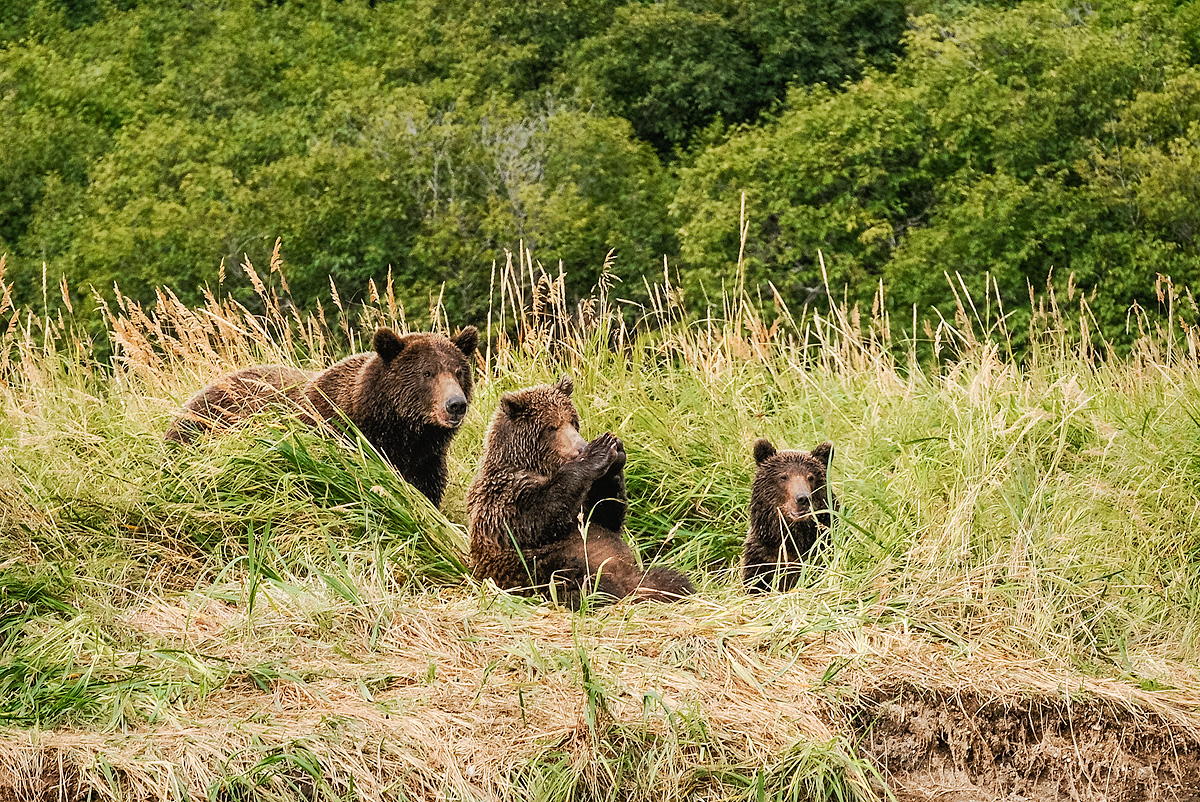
408,398
790,506
547,508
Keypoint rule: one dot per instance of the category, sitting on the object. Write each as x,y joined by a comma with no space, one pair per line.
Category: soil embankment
963,745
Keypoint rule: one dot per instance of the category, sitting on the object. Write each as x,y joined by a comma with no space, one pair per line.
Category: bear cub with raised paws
790,507
408,397
547,507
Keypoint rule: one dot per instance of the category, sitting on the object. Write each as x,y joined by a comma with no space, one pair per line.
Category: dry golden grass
273,616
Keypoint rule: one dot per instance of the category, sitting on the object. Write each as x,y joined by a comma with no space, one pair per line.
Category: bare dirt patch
962,745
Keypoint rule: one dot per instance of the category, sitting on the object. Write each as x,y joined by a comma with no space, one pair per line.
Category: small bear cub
547,507
790,506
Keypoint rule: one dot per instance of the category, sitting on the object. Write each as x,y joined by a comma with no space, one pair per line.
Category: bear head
536,429
422,377
790,486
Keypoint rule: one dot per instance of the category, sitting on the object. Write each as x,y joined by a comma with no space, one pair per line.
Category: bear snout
456,407
570,443
449,402
799,497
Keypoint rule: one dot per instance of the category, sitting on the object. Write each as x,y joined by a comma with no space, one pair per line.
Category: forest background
1046,144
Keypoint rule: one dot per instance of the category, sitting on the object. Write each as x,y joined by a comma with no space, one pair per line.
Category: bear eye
429,374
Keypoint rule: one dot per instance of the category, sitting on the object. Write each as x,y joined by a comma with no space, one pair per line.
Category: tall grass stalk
1029,523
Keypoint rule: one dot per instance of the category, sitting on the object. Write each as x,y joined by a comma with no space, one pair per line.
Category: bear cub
547,507
408,397
790,506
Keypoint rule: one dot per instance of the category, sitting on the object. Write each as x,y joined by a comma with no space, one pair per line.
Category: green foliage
24,18
1038,146
667,70
809,771
149,145
672,68
152,146
1022,145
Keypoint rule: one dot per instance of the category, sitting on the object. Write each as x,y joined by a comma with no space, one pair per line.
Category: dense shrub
1033,145
1013,145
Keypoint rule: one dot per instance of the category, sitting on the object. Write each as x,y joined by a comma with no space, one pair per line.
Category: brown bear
546,510
790,506
408,398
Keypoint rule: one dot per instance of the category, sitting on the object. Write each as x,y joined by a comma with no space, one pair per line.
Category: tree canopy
1026,144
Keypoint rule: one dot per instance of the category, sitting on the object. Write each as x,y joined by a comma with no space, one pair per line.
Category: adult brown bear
790,506
546,509
408,397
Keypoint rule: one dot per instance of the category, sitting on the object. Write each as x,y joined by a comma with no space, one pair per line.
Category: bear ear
467,340
763,450
388,344
565,385
824,453
514,404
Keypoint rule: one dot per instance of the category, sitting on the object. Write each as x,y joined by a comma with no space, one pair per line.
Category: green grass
291,600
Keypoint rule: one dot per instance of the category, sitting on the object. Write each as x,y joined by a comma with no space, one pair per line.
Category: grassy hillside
1010,601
